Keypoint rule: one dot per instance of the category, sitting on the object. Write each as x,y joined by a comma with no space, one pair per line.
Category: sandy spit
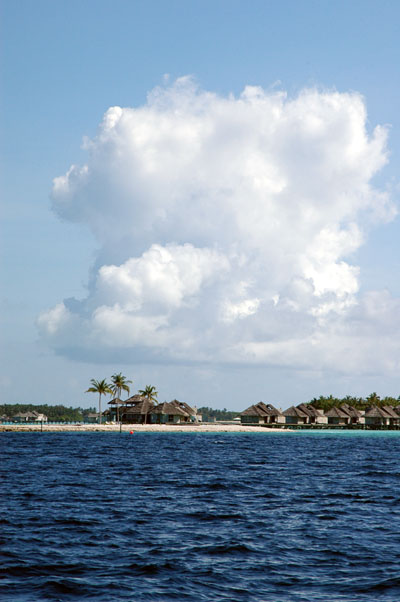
143,428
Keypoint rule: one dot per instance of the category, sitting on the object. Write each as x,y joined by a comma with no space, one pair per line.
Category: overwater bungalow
356,417
315,416
337,416
394,419
376,416
386,416
262,413
295,415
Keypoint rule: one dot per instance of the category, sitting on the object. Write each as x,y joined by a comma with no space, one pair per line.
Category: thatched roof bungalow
29,417
394,419
337,416
356,417
386,416
295,415
375,416
173,412
138,412
261,413
315,416
114,410
134,399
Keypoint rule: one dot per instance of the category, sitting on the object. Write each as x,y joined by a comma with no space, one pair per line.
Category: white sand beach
144,428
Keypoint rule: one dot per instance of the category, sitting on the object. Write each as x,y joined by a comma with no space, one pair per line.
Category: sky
201,195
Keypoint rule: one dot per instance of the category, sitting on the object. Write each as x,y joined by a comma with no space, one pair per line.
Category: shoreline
140,428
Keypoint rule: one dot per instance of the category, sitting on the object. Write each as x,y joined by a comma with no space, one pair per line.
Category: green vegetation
56,413
119,384
150,392
102,388
326,403
209,414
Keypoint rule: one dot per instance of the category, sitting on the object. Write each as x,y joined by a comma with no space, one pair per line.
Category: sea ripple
155,517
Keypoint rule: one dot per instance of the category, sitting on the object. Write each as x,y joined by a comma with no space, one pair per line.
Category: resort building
294,415
337,416
137,410
113,413
29,417
93,417
314,416
173,412
262,413
394,419
356,417
386,416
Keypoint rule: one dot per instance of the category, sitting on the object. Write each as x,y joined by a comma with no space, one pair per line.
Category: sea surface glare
200,517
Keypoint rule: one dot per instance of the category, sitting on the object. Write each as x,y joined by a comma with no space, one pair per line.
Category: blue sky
63,64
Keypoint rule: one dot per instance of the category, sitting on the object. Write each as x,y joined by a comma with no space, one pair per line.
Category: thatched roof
336,413
392,411
144,406
185,406
169,408
309,410
350,411
134,399
175,408
375,412
26,415
116,401
293,411
261,409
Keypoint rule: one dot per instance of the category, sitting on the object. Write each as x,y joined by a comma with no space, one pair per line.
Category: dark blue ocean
200,517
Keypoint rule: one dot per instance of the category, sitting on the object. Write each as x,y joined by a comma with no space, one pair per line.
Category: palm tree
102,388
374,399
150,392
119,383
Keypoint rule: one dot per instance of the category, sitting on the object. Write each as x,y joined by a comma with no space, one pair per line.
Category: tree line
211,414
360,403
54,413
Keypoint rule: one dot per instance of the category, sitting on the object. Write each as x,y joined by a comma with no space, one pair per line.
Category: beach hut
375,416
337,416
294,415
261,413
173,412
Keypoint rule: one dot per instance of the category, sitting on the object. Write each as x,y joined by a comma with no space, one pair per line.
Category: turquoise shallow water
347,433
298,517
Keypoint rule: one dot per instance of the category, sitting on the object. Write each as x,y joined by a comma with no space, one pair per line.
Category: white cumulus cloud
227,227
